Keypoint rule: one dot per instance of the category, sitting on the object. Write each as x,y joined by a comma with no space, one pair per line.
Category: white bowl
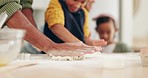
10,44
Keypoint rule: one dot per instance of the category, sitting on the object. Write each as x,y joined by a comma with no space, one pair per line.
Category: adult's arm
16,19
27,10
33,35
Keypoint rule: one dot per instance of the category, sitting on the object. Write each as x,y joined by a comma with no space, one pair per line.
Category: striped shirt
11,6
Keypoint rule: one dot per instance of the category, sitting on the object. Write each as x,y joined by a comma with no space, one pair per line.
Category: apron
74,22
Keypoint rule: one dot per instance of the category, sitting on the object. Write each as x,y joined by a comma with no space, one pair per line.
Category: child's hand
98,42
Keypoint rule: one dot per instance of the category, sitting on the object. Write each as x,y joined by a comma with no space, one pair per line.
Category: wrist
90,42
49,46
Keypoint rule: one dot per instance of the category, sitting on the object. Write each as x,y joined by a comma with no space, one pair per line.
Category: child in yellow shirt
67,21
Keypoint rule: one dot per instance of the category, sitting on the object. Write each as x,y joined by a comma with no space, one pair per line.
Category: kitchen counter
39,66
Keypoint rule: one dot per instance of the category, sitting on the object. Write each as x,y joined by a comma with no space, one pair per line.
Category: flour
70,55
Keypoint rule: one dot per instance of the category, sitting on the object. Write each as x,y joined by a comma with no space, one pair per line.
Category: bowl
10,44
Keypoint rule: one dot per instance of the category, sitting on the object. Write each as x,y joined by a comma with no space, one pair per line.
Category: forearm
33,35
28,13
63,33
27,10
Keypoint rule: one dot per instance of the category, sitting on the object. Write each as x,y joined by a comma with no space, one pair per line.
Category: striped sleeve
3,2
9,6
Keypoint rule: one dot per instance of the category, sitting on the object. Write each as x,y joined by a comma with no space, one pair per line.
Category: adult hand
72,49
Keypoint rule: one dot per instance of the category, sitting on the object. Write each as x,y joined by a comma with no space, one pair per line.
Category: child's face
106,31
75,5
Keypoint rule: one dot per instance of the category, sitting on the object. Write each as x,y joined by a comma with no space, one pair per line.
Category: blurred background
131,17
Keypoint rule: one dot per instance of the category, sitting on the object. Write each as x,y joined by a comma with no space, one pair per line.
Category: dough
66,58
62,55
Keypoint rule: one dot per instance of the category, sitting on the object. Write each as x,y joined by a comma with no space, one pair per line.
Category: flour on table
62,55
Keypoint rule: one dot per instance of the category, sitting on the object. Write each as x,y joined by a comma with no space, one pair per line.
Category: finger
100,43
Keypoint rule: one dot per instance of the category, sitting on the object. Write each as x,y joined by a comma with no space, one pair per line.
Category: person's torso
74,22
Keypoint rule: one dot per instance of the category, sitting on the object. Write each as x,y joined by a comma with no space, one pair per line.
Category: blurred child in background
106,29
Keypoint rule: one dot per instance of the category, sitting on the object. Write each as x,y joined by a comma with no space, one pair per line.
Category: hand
89,4
98,42
81,46
72,49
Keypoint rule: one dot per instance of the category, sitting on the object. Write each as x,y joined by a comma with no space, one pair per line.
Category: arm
27,10
39,40
87,34
54,16
33,35
36,38
18,20
28,13
63,33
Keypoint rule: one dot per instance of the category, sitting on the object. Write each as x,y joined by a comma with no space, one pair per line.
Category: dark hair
104,19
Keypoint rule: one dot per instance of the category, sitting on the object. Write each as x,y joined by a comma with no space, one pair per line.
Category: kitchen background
131,16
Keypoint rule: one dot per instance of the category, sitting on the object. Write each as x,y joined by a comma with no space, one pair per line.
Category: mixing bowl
10,44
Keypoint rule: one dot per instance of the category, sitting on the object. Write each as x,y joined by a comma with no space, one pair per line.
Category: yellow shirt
55,15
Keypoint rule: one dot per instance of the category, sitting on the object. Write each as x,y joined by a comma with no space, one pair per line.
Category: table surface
39,66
